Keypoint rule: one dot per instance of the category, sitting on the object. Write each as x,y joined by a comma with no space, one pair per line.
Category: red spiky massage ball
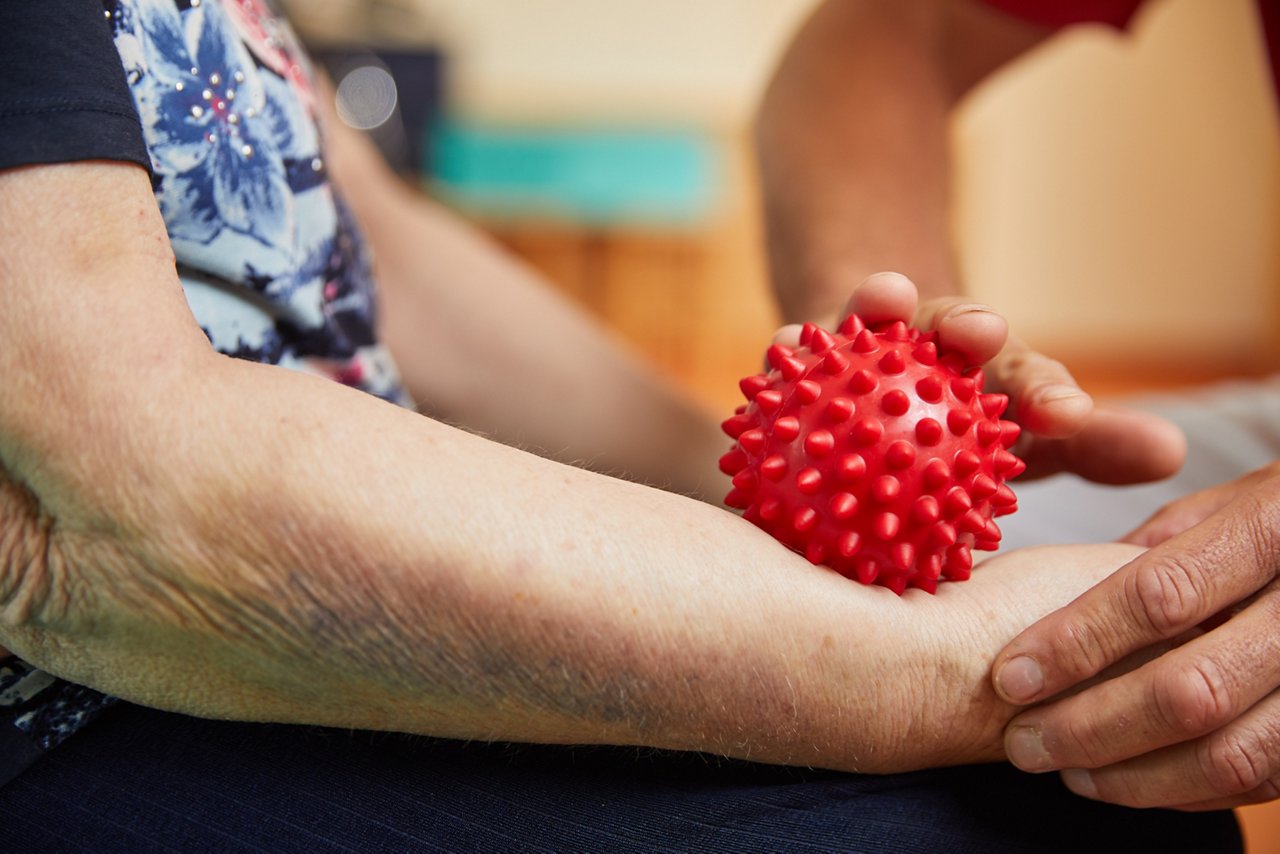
869,451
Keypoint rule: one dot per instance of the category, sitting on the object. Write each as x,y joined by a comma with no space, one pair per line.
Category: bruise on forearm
287,621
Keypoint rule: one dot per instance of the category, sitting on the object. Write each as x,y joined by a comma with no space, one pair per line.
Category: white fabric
1232,428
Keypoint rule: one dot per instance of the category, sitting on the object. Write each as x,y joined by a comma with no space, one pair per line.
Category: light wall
1119,195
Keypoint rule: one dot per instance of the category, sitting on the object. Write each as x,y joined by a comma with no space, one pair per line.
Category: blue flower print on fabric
216,138
274,269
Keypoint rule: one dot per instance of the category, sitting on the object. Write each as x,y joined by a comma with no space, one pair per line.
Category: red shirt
1048,13
1118,13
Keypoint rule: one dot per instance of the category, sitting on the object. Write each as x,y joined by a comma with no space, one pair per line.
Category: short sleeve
63,94
1057,13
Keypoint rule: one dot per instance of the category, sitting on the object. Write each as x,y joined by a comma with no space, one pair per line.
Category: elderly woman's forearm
335,560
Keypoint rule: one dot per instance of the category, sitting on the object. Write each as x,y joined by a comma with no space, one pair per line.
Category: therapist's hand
1198,727
1063,430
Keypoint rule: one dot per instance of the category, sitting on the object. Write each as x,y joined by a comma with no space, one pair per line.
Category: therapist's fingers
884,297
1188,692
788,336
1236,765
1116,445
1165,591
975,331
1047,400
1179,515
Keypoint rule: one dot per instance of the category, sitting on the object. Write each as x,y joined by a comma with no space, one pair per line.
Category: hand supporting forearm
1196,727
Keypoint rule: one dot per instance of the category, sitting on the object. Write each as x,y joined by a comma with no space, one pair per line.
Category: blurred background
606,143
1118,197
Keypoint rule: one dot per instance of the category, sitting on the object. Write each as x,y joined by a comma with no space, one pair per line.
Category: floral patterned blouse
273,266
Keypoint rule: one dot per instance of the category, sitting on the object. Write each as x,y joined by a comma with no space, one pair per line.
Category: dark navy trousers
142,780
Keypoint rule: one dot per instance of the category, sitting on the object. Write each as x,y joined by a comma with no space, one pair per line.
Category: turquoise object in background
588,176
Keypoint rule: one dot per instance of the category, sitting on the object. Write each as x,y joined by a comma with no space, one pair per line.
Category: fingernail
1020,679
1081,782
1026,750
1059,391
